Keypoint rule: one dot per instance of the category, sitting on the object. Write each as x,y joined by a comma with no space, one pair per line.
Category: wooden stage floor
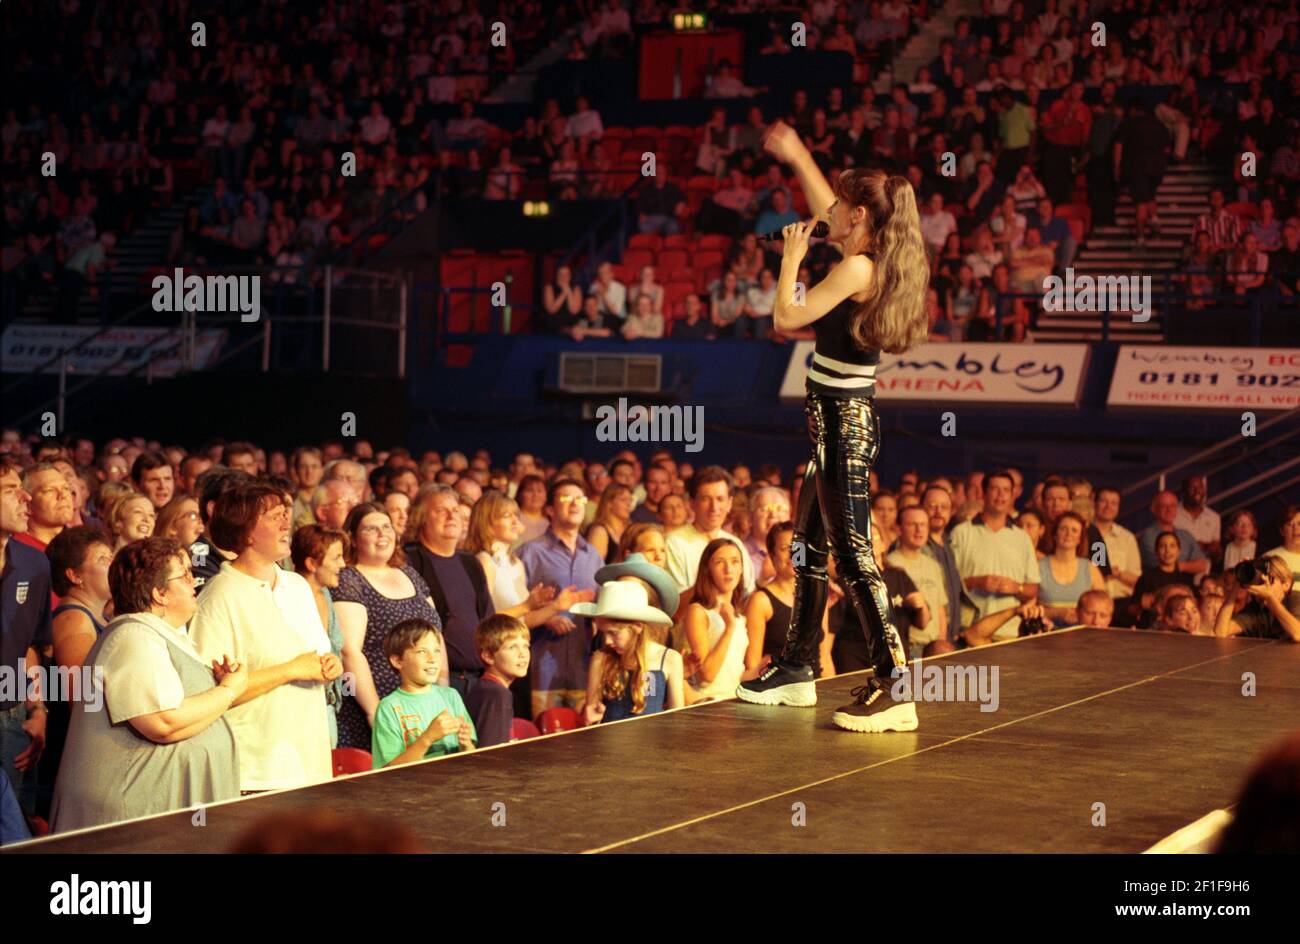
1153,725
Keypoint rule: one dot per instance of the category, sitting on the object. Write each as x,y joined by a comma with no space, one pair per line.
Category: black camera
1033,626
1251,572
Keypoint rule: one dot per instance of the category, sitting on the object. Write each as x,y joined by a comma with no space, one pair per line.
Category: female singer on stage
871,300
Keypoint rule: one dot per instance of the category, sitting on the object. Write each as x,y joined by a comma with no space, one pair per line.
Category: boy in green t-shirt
419,718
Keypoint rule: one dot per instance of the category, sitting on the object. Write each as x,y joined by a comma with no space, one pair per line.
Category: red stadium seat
672,261
702,182
1247,211
557,719
351,760
674,292
652,242
521,729
679,241
636,258
715,241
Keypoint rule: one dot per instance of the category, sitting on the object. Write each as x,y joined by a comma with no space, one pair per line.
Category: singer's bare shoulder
860,270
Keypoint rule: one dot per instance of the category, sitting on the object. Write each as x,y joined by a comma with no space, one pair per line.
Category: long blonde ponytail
894,318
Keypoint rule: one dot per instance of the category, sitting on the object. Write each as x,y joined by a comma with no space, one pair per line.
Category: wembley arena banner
967,373
27,348
1159,377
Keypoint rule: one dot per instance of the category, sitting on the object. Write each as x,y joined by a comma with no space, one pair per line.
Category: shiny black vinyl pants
834,516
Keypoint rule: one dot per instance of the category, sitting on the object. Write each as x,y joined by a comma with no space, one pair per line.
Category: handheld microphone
820,231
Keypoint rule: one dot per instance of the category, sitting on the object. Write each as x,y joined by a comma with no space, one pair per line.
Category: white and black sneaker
875,710
781,683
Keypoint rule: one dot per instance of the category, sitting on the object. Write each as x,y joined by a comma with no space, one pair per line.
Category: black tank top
777,627
840,368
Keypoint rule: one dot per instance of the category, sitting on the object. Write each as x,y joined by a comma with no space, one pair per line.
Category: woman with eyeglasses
179,519
148,734
376,591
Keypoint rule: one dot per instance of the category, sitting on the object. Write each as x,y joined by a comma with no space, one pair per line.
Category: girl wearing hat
714,627
620,682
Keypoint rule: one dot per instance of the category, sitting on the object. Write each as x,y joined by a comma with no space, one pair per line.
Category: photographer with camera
1032,621
1265,604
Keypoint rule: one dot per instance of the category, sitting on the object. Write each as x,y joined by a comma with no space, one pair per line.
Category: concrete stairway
1114,250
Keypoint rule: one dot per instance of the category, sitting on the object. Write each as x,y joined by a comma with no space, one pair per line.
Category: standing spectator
914,534
562,299
151,735
561,558
995,559
179,519
1166,570
937,502
25,619
937,224
131,519
205,555
1067,573
152,475
1065,128
261,617
1107,116
848,645
503,645
769,506
1289,549
621,683
1247,268
711,496
716,639
377,591
332,502
1243,533
306,468
760,302
1197,518
455,579
1016,124
1164,506
1123,559
584,125
658,485
505,180
726,303
318,557
50,506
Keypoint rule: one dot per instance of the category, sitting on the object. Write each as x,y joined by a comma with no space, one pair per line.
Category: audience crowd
213,623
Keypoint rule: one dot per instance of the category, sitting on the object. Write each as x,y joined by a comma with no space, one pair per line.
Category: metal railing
307,304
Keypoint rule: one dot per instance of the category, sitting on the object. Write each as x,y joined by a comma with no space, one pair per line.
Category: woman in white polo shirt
149,734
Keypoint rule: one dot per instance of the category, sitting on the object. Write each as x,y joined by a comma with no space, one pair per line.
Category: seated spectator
1247,268
610,293
590,322
769,506
1026,189
563,299
1031,263
984,258
419,718
1269,608
1224,228
690,325
727,303
333,501
505,180
726,84
714,631
937,224
503,645
1203,267
377,591
760,302
584,125
649,287
1008,225
984,192
1055,233
180,519
644,322
150,735
779,216
621,682
1284,264
659,206
914,534
717,143
1266,228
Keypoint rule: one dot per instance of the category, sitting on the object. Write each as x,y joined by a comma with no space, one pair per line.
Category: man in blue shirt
24,633
1056,233
1191,559
775,219
561,558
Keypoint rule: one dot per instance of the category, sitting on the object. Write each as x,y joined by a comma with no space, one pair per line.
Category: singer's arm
849,277
784,144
